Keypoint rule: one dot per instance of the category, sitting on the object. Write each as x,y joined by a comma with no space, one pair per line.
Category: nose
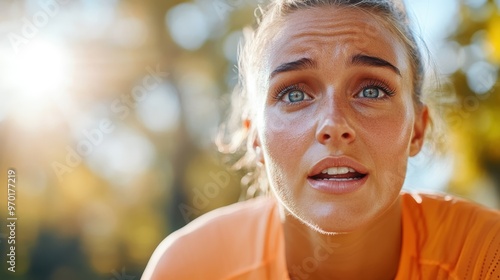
334,128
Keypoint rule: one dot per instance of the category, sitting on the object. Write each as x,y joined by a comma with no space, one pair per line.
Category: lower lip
337,187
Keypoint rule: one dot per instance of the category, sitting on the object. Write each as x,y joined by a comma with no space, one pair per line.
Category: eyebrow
361,59
303,63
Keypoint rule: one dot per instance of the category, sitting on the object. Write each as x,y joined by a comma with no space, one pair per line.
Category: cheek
389,134
285,138
388,142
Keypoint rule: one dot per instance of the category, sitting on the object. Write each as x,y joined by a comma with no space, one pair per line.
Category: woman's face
337,122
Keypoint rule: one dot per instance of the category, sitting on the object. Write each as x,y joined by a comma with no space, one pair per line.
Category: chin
328,219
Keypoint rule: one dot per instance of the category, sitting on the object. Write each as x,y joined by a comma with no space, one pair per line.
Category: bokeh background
108,109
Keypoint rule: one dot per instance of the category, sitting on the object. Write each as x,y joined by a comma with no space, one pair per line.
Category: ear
259,156
419,128
254,138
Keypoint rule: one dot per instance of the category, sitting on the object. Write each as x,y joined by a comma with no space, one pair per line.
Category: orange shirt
443,238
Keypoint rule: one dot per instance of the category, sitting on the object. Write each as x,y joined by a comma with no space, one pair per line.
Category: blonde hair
237,136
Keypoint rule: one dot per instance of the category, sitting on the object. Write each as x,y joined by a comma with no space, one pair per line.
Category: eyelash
284,89
379,85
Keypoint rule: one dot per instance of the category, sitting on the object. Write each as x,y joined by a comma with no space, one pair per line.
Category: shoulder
453,235
442,209
193,252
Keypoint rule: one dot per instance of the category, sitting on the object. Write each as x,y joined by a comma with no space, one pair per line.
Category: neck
371,252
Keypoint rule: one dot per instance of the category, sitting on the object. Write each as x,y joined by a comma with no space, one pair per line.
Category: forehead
336,32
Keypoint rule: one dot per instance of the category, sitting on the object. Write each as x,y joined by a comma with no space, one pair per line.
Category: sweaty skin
339,89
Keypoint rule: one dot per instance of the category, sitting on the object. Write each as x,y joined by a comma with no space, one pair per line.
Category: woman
333,90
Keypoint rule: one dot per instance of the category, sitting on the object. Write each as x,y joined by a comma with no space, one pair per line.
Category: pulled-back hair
238,134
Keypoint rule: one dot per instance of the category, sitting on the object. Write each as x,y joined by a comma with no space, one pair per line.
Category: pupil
296,96
370,92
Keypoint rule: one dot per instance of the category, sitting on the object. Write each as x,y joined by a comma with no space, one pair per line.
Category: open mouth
340,174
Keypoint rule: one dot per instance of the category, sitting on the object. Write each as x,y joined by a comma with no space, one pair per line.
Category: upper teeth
338,170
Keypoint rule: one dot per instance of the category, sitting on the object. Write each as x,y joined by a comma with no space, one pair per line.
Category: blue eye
372,92
295,96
